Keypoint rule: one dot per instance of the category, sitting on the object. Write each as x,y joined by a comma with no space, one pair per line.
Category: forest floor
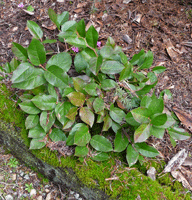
162,26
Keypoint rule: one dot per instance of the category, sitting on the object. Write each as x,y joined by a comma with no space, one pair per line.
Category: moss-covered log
65,178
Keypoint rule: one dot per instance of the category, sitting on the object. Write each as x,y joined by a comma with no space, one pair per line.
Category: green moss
125,183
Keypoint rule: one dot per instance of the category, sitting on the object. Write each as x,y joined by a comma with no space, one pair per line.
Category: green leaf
7,67
61,110
107,52
178,133
53,17
145,101
36,52
111,67
19,51
80,63
81,134
148,61
152,77
158,119
77,42
26,97
132,155
57,135
170,121
29,107
69,26
31,121
117,115
95,64
81,28
141,115
35,144
81,151
138,59
47,120
72,113
62,60
87,116
146,89
30,8
130,120
156,106
56,76
98,105
142,133
34,29
23,71
91,89
108,84
87,54
67,90
126,72
159,69
120,142
107,123
110,42
115,126
63,17
52,91
100,156
14,64
44,102
36,132
47,41
79,84
100,143
92,36
35,80
146,150
157,132
76,98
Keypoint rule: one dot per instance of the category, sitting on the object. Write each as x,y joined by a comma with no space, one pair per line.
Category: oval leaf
117,114
76,98
36,132
47,120
120,142
36,144
92,36
29,107
19,51
87,116
132,155
100,156
57,135
31,121
146,150
142,133
111,67
81,151
34,29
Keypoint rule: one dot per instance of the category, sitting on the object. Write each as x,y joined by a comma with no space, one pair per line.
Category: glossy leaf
34,29
31,121
111,67
141,115
138,59
77,42
44,102
92,36
47,41
146,150
152,77
158,119
36,52
55,76
76,98
146,89
81,151
142,133
117,114
120,142
36,144
148,61
36,132
63,17
57,135
62,60
156,106
100,156
81,28
19,51
80,63
178,133
29,107
91,89
69,26
53,17
107,123
115,126
72,113
100,143
159,69
98,105
47,120
108,84
61,110
79,84
95,64
130,120
126,72
157,132
132,155
87,54
106,52
87,116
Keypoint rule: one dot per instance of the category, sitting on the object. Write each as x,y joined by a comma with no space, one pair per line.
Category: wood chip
185,118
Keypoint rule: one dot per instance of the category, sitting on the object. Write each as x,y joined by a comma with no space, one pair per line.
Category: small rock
127,39
39,198
76,196
47,190
14,177
151,173
127,1
48,197
104,17
33,192
72,192
22,173
9,197
26,177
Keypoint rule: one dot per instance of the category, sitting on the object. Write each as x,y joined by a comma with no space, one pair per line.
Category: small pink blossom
75,49
99,44
20,5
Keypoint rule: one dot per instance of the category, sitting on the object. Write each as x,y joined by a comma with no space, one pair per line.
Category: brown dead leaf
184,176
185,118
52,27
171,50
78,10
80,5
